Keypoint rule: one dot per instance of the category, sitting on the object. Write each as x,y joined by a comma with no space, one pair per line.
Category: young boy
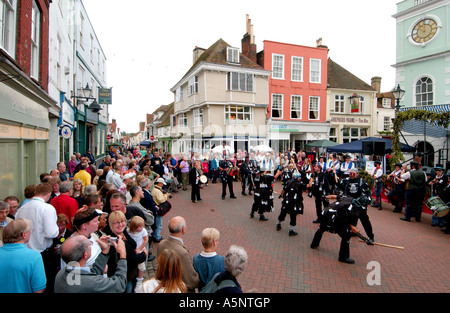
137,231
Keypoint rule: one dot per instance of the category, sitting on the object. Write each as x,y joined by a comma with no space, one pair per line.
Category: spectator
65,204
29,193
159,197
137,231
22,268
115,177
95,201
235,262
78,190
208,262
177,229
98,173
89,156
72,164
13,202
168,276
83,175
117,222
61,166
54,182
4,219
149,204
184,168
75,252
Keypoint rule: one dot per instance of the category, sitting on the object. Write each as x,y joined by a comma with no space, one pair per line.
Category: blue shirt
207,265
22,269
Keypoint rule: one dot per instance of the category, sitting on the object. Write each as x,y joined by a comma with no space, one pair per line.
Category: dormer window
232,55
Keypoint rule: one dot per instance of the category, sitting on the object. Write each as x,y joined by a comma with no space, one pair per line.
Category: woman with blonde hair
167,277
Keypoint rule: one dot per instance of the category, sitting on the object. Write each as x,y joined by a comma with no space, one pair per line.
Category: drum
437,206
203,179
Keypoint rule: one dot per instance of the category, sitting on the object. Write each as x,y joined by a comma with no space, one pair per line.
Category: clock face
424,30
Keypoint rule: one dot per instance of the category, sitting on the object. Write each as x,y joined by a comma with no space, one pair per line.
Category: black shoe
199,199
313,245
233,197
244,194
405,219
397,211
278,227
263,218
348,261
418,220
446,231
249,193
434,225
292,233
150,258
252,215
379,208
316,222
223,198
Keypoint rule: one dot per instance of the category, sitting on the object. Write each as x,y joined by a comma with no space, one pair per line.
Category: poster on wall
354,103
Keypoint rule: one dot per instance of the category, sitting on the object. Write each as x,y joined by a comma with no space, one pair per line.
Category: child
98,173
136,230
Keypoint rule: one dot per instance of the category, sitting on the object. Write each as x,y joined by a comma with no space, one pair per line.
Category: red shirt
66,205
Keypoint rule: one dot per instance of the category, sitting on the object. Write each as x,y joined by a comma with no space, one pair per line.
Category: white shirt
138,236
43,223
346,167
149,286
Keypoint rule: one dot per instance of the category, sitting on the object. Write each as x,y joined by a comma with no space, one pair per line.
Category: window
297,69
183,119
198,117
278,66
81,30
35,40
424,91
314,70
387,123
333,134
296,107
193,85
386,102
179,93
314,108
277,106
173,121
8,26
339,104
232,55
240,81
238,115
353,134
92,49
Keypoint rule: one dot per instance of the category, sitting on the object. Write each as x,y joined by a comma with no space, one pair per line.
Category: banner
354,103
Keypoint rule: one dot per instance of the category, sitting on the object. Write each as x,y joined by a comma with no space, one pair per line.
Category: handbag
163,208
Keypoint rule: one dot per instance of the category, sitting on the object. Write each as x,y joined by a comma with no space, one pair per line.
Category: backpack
213,287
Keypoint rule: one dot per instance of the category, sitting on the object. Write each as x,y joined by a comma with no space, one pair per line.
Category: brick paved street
282,264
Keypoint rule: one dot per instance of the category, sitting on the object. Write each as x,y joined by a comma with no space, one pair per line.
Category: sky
148,44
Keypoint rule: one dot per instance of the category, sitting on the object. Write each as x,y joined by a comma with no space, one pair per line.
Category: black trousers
292,216
228,182
365,222
344,249
397,196
319,201
195,192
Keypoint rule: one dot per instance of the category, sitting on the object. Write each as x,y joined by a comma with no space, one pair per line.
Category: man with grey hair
4,219
77,278
148,203
65,204
177,229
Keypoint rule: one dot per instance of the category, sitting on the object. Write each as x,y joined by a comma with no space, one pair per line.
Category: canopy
262,148
357,146
323,143
219,149
145,143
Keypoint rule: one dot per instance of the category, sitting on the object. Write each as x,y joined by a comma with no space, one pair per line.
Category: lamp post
85,94
398,94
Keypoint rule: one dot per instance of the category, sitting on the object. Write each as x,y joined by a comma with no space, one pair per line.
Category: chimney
149,118
376,83
141,126
197,53
248,41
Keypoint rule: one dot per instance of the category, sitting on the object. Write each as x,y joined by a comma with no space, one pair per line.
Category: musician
346,167
194,180
263,198
397,194
339,217
319,188
322,163
332,168
246,175
445,196
226,168
415,192
377,176
355,186
292,203
438,185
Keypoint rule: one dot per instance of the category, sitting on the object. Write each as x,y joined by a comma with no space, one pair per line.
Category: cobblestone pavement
282,264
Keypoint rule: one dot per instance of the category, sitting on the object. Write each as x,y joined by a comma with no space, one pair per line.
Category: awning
435,108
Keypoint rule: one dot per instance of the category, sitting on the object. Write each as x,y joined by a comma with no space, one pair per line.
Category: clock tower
423,52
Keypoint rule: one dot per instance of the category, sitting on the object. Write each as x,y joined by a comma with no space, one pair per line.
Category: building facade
422,69
223,97
25,103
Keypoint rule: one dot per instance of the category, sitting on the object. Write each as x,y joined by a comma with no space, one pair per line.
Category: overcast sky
148,44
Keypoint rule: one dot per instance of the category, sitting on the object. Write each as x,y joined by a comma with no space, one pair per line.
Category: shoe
223,198
418,220
156,240
446,231
151,258
249,193
184,189
316,222
434,225
278,227
233,197
379,208
194,201
405,219
292,233
244,194
263,218
252,215
348,261
314,245
397,211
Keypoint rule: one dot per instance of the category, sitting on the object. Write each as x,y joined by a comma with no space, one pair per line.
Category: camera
111,240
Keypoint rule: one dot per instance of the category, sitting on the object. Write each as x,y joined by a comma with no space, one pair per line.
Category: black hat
398,164
377,162
439,167
414,163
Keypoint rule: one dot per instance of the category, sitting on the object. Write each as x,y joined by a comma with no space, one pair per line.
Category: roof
165,118
217,54
339,77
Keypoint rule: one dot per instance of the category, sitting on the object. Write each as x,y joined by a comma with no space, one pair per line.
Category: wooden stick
386,245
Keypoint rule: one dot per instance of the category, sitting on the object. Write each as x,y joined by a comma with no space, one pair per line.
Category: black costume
292,203
227,180
356,187
194,180
320,187
247,170
337,218
263,198
397,194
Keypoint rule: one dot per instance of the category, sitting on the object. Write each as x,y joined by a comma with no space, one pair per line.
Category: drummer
438,185
415,193
194,180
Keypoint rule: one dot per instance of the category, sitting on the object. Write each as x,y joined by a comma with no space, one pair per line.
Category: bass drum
203,179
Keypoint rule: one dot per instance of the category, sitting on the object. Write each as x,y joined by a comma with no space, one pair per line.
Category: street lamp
398,94
86,94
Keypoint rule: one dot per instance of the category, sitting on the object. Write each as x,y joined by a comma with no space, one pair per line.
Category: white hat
128,176
160,180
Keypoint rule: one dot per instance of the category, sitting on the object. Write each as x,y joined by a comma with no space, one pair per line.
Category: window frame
233,55
300,70
237,111
281,105
274,55
193,85
299,109
8,29
319,78
36,16
318,108
421,94
230,81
